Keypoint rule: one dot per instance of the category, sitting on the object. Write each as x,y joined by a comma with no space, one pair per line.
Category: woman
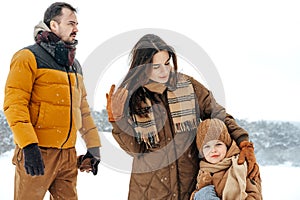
155,113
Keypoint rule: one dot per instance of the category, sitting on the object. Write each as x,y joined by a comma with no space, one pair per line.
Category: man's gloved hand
33,164
89,161
247,154
207,193
115,103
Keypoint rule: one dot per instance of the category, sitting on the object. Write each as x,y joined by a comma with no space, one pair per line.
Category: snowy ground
279,182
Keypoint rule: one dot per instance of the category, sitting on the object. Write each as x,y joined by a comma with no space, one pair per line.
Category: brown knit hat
212,129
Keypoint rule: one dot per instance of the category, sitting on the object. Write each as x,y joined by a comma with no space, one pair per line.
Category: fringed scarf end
186,126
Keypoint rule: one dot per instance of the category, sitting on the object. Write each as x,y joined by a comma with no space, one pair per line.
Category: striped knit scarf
182,107
62,52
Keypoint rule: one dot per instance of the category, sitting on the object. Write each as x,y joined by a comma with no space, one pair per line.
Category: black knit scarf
62,52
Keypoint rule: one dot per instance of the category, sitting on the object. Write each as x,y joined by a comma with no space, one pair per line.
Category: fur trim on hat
212,129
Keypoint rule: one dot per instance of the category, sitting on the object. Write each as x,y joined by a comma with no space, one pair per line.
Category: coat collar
156,87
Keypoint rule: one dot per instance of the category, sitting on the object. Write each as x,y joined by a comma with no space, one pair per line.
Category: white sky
255,45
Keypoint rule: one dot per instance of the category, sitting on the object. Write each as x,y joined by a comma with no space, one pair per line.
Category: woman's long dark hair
141,68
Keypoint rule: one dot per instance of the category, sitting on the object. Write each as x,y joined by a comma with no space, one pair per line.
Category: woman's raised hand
115,103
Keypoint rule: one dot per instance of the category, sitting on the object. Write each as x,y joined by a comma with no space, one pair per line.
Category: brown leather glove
84,164
115,103
247,154
89,161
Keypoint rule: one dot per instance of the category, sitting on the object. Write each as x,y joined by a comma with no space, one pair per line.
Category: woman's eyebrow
159,64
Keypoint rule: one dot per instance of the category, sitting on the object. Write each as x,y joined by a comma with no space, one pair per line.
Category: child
220,177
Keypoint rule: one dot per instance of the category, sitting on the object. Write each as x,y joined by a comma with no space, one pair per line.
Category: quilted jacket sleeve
123,133
88,130
17,95
209,108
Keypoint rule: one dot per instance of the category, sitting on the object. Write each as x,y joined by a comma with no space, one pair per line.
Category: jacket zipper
74,69
71,102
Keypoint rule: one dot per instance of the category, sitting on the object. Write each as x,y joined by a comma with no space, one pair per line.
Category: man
45,104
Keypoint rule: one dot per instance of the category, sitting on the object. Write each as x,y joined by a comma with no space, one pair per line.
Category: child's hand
203,179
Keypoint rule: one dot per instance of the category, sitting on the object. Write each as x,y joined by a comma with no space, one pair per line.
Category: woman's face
161,67
214,151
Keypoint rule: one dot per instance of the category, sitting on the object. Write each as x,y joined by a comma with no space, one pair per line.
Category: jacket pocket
34,110
52,116
18,155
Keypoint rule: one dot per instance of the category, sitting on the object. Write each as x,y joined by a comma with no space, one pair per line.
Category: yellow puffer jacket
38,106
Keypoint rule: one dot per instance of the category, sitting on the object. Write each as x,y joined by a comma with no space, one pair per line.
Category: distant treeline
275,142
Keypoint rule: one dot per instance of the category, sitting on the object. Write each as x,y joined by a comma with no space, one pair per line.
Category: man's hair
54,11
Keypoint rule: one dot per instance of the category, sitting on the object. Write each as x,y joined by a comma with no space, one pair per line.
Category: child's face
214,151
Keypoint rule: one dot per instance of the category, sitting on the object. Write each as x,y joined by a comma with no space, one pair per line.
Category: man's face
65,26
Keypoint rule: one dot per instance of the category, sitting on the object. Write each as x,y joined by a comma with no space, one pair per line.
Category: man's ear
53,25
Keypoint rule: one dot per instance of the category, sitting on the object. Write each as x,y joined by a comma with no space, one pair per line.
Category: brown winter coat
170,171
38,106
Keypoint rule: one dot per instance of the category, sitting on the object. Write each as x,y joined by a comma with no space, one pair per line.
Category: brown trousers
59,179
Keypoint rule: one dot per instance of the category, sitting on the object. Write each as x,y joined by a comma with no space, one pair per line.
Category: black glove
89,161
33,164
